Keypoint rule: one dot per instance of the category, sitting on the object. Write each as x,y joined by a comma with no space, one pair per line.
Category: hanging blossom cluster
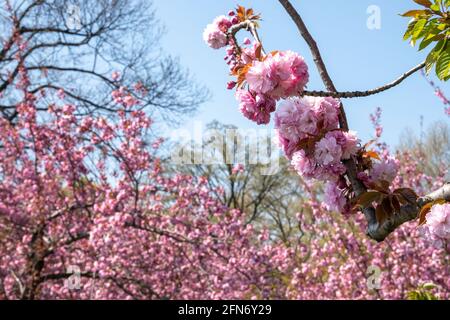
308,133
262,79
279,75
308,127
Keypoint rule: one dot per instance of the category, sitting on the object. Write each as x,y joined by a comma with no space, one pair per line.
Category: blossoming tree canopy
86,194
312,127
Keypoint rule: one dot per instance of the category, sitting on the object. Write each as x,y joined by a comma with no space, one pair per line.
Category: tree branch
250,26
375,230
317,57
358,94
247,25
407,213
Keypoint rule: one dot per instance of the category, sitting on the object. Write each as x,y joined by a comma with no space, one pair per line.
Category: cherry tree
88,211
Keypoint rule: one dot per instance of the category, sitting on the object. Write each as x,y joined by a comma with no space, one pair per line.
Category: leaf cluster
431,26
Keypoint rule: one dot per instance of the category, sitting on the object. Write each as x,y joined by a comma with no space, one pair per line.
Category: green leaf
443,65
433,56
442,26
409,29
427,41
429,62
418,28
435,7
429,285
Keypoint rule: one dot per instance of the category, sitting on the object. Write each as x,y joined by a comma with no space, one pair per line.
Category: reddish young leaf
385,185
365,199
408,194
423,213
426,209
425,3
380,214
414,13
371,154
395,203
241,13
387,206
382,186
258,52
241,73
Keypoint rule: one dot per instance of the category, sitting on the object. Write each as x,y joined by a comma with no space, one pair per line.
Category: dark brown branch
375,230
407,213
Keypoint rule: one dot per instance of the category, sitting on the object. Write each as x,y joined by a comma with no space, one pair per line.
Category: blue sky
357,58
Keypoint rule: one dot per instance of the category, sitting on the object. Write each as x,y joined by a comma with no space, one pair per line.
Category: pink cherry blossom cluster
308,128
255,107
215,33
386,167
437,227
266,78
124,97
87,192
280,75
375,118
308,133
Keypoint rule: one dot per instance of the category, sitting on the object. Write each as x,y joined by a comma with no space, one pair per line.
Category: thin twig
358,94
247,25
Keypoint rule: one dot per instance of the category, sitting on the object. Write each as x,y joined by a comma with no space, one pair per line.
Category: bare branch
358,94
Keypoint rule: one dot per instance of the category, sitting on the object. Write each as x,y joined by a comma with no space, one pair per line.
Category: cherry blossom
437,227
